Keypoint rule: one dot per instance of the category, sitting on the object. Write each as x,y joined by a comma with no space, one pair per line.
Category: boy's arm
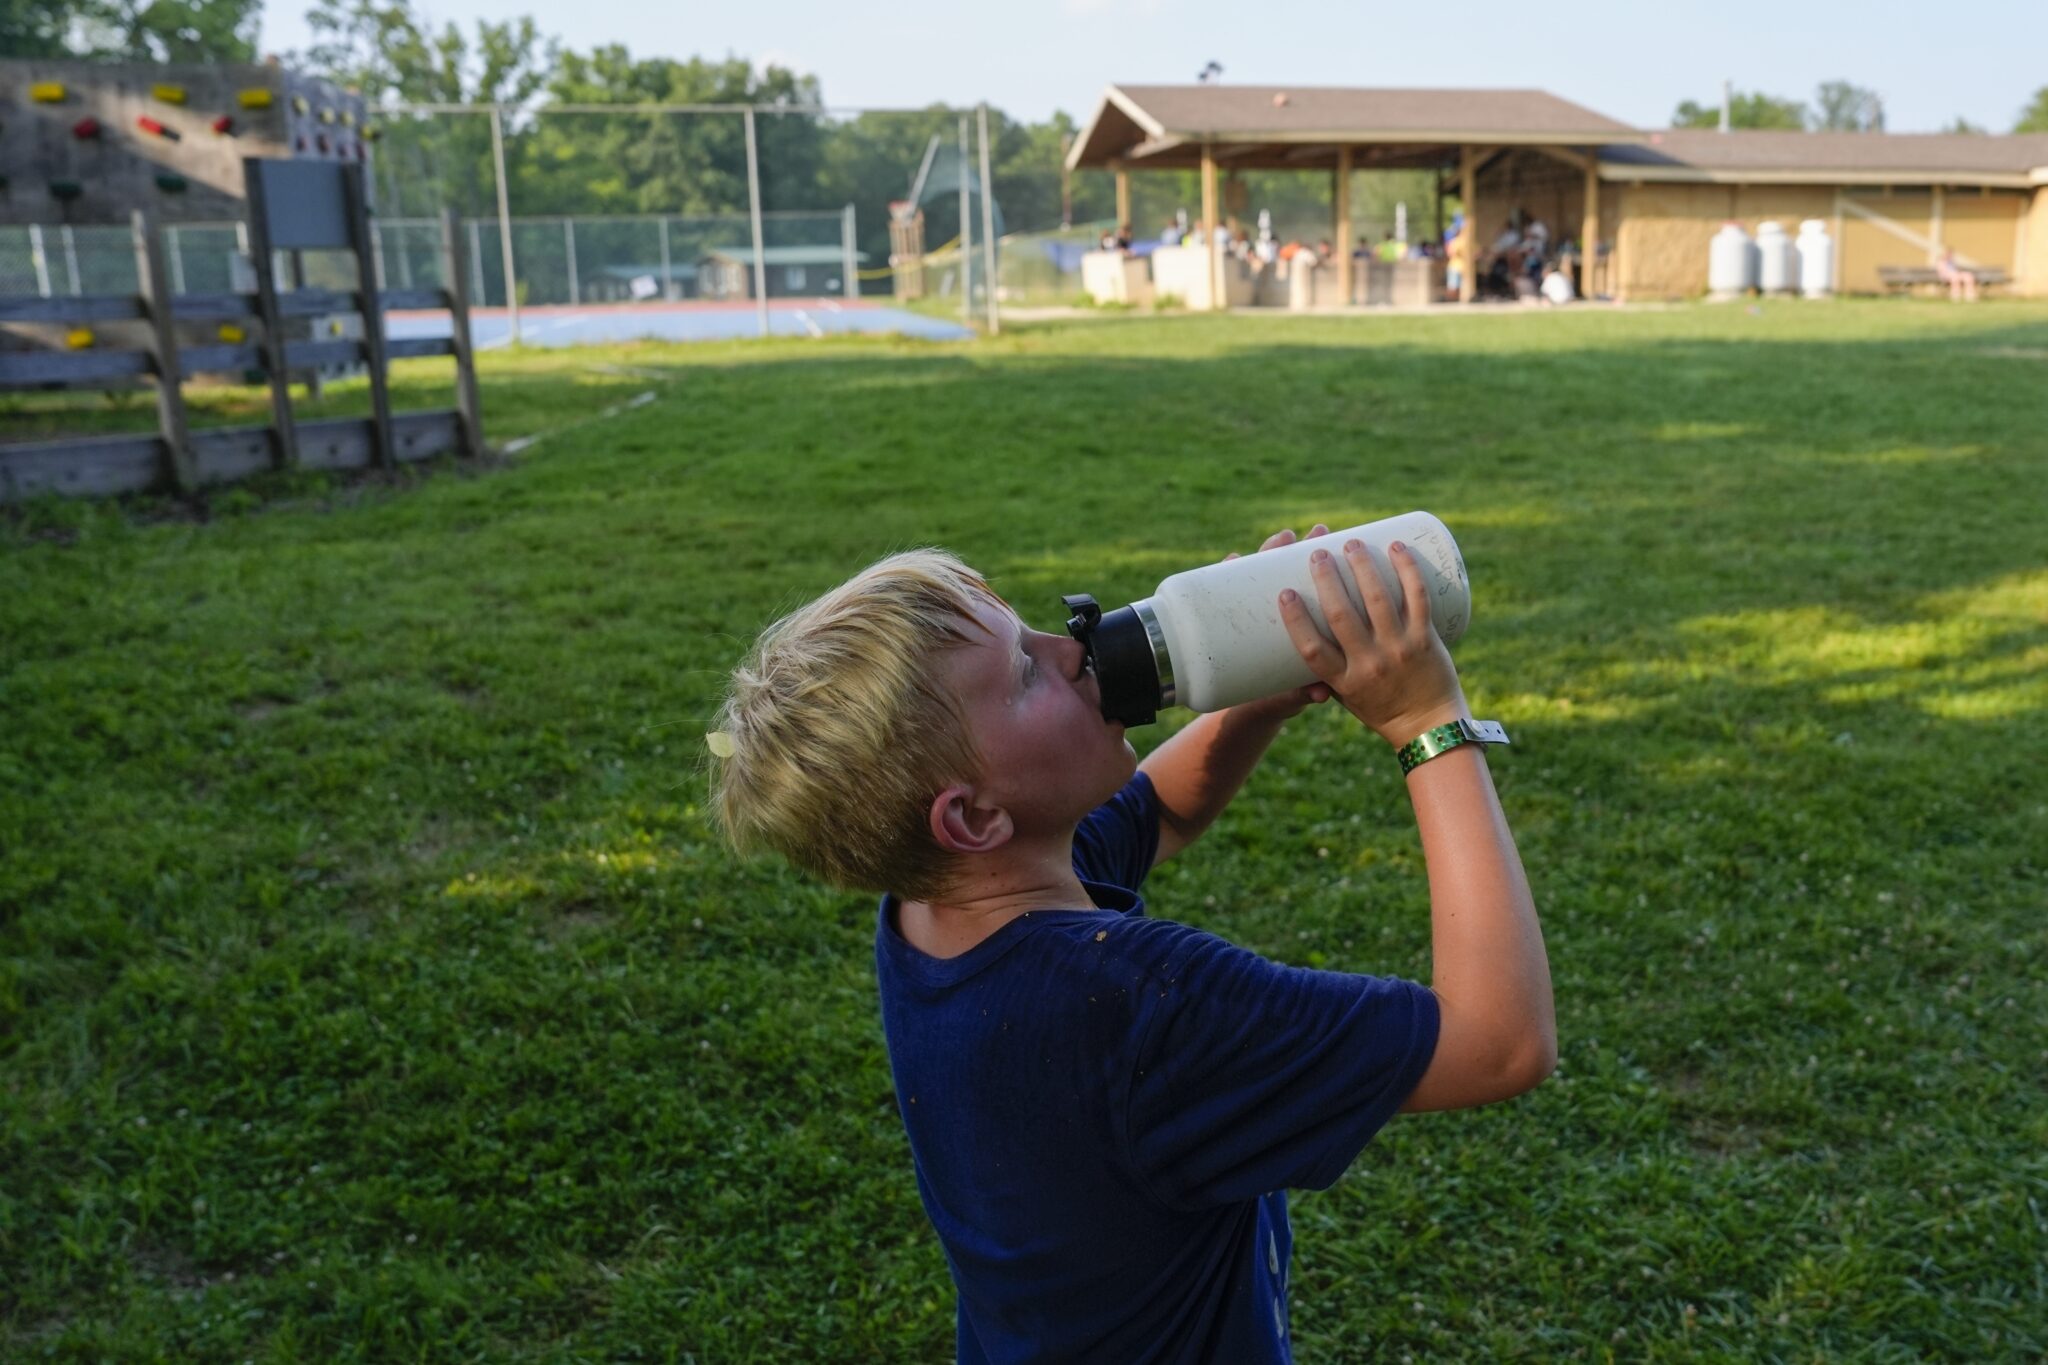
1199,770
1497,1024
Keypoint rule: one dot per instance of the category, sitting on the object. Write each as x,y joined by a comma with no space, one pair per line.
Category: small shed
618,283
727,272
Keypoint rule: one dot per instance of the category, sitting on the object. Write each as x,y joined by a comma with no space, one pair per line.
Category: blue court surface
490,328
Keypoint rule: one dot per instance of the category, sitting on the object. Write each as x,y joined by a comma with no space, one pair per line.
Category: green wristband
1444,738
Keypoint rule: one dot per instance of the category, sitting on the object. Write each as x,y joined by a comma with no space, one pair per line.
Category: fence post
170,396
667,274
40,258
505,219
71,257
754,213
569,239
966,234
852,255
177,260
988,229
476,262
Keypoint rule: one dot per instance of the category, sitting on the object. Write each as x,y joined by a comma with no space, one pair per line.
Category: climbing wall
88,143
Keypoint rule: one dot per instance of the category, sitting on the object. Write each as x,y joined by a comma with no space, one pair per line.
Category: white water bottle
1212,637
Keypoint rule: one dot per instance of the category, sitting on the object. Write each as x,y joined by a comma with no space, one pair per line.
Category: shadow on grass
372,838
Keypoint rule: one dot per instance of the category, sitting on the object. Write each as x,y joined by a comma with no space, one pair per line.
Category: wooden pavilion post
1341,189
1468,248
1589,230
1123,197
1210,235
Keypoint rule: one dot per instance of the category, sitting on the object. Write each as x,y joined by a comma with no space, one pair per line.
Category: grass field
373,988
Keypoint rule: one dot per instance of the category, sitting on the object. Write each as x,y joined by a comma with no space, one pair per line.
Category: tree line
641,163
1837,107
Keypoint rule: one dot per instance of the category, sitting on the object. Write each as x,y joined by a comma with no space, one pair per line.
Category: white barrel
1777,259
1816,259
1224,638
1731,262
1301,281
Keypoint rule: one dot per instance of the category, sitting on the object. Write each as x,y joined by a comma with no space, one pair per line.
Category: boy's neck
962,922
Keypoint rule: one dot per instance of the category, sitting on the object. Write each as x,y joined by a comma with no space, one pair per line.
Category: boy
1105,1109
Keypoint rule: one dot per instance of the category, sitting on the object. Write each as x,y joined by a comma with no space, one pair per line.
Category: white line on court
638,400
811,323
530,331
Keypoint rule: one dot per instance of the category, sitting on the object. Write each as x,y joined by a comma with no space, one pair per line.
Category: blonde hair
838,728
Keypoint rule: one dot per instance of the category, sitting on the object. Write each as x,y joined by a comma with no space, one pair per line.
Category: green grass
374,988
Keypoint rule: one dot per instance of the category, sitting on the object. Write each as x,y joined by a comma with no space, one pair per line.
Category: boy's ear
962,824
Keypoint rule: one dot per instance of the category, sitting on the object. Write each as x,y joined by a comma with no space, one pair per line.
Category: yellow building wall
1865,245
1661,241
1665,231
2033,247
1984,228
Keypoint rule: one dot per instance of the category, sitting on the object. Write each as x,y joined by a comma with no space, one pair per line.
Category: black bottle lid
1120,651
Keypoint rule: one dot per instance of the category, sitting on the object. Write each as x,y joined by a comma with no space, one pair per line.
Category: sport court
597,324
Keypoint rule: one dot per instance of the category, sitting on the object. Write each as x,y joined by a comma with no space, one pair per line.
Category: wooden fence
180,459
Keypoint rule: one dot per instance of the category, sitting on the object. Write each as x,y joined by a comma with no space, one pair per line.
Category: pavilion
1643,204
1288,128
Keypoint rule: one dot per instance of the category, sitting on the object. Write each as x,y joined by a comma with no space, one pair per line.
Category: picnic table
1910,277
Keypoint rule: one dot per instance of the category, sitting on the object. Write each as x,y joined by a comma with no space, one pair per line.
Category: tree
36,28
2034,118
385,49
1959,124
1746,109
1840,107
131,30
676,163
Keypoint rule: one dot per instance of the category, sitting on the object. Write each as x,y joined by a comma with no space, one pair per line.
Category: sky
1977,59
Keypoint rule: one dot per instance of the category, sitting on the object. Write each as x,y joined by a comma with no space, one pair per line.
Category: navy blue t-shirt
1105,1108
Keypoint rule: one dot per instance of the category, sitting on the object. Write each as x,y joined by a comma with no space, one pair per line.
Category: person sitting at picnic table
1390,248
1124,237
1508,245
1961,282
1172,235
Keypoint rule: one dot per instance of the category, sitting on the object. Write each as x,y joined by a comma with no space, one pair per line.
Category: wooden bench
1905,278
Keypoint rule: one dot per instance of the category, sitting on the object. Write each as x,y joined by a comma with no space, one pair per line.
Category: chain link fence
947,212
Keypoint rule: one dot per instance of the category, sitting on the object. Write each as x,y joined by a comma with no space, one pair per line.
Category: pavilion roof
1301,127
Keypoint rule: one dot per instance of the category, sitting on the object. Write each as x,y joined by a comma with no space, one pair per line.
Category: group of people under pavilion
1520,260
1460,135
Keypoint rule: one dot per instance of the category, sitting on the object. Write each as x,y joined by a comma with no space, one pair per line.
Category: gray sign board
305,202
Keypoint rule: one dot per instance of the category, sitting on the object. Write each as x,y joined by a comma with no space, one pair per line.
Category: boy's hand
1389,667
1287,705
